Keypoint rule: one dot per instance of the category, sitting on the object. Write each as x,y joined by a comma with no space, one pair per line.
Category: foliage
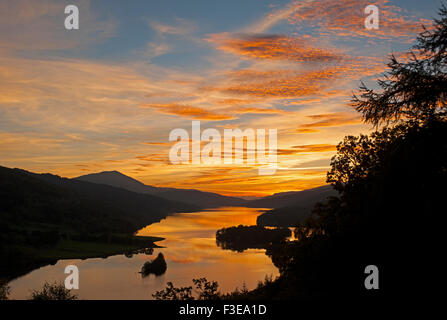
4,290
209,290
204,290
173,293
55,291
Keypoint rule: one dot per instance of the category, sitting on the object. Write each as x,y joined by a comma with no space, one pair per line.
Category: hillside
81,206
305,199
291,208
190,196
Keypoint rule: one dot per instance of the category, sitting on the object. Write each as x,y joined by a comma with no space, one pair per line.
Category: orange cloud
157,143
332,94
235,102
307,131
333,119
242,110
345,18
307,149
272,47
293,84
224,180
329,120
187,111
316,148
155,157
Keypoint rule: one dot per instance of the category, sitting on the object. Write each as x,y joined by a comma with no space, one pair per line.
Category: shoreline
35,258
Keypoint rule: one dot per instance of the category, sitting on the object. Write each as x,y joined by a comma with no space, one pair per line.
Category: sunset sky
106,96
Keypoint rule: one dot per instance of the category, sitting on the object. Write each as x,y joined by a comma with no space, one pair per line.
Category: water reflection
189,249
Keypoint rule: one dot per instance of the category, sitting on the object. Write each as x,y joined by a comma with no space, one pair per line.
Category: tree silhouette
391,187
174,293
413,89
55,291
4,290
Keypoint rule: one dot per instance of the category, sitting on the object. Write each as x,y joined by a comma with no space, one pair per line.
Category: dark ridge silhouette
284,217
291,208
190,196
305,199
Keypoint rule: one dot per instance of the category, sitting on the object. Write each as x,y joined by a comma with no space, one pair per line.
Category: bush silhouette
55,291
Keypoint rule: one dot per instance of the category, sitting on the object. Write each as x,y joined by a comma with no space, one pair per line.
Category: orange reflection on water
206,222
190,240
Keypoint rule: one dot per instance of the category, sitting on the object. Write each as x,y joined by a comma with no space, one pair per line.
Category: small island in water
241,238
157,266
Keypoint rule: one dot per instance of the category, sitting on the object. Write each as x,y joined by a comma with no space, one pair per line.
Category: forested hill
291,208
304,199
77,206
191,196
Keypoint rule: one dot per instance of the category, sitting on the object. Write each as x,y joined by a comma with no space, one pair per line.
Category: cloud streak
187,111
272,47
283,84
345,18
329,120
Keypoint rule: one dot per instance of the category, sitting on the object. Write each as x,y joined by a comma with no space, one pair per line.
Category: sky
106,97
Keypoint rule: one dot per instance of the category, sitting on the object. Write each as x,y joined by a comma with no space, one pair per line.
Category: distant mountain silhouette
119,180
290,208
305,198
190,196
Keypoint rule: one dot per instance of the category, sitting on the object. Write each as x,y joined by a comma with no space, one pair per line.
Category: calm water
190,252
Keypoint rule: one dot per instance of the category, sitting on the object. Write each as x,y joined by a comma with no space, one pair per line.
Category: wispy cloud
316,148
274,84
272,47
163,44
187,111
181,27
243,110
276,16
345,18
328,120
